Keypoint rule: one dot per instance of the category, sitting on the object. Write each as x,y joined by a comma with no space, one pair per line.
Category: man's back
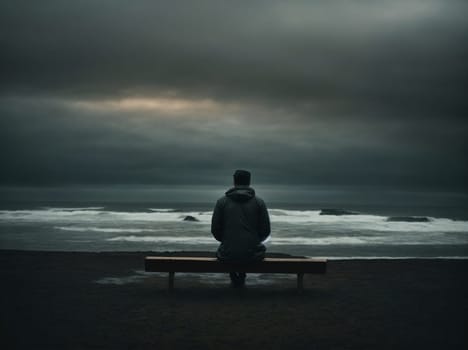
240,222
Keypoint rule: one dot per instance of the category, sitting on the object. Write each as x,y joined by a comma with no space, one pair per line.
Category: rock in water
336,212
408,219
190,218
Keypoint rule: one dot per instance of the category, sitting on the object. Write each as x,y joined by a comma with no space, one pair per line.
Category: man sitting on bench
241,223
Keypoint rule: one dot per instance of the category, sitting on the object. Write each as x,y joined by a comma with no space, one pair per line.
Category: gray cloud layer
329,92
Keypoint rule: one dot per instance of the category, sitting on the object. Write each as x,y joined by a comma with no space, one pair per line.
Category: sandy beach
55,300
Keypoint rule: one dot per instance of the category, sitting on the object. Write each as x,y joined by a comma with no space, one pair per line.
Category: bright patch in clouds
162,104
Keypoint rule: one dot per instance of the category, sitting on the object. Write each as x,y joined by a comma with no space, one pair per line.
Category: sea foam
104,229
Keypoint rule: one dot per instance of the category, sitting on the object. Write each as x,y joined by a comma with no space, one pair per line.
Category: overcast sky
184,92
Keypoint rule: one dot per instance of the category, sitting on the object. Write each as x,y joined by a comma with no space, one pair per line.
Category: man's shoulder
260,201
222,200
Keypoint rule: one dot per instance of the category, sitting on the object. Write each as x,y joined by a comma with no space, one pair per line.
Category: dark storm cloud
52,142
383,57
327,92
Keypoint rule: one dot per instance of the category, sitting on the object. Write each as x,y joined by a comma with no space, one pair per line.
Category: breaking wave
104,229
299,241
303,232
165,239
98,216
162,210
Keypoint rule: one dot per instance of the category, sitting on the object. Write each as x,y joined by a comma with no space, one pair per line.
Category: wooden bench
297,266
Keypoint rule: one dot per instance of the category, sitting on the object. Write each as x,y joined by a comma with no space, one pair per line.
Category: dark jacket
240,222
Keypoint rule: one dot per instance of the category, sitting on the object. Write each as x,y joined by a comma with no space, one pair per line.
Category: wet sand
60,300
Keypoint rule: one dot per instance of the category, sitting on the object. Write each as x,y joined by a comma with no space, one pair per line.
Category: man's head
242,178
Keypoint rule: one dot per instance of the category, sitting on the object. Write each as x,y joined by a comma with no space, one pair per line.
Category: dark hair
242,177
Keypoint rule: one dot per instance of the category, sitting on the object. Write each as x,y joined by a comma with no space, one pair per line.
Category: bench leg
171,281
300,282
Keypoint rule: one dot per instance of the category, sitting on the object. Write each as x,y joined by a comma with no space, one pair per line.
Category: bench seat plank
268,265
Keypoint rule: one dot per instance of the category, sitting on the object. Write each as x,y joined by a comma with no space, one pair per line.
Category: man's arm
217,221
264,221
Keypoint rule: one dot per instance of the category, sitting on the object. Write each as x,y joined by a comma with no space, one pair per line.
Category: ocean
368,231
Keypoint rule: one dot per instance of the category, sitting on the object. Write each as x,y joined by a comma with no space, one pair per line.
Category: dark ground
51,301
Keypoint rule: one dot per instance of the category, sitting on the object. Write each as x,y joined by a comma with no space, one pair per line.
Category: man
240,222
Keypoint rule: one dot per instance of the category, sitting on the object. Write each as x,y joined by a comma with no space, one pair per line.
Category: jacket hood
240,193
